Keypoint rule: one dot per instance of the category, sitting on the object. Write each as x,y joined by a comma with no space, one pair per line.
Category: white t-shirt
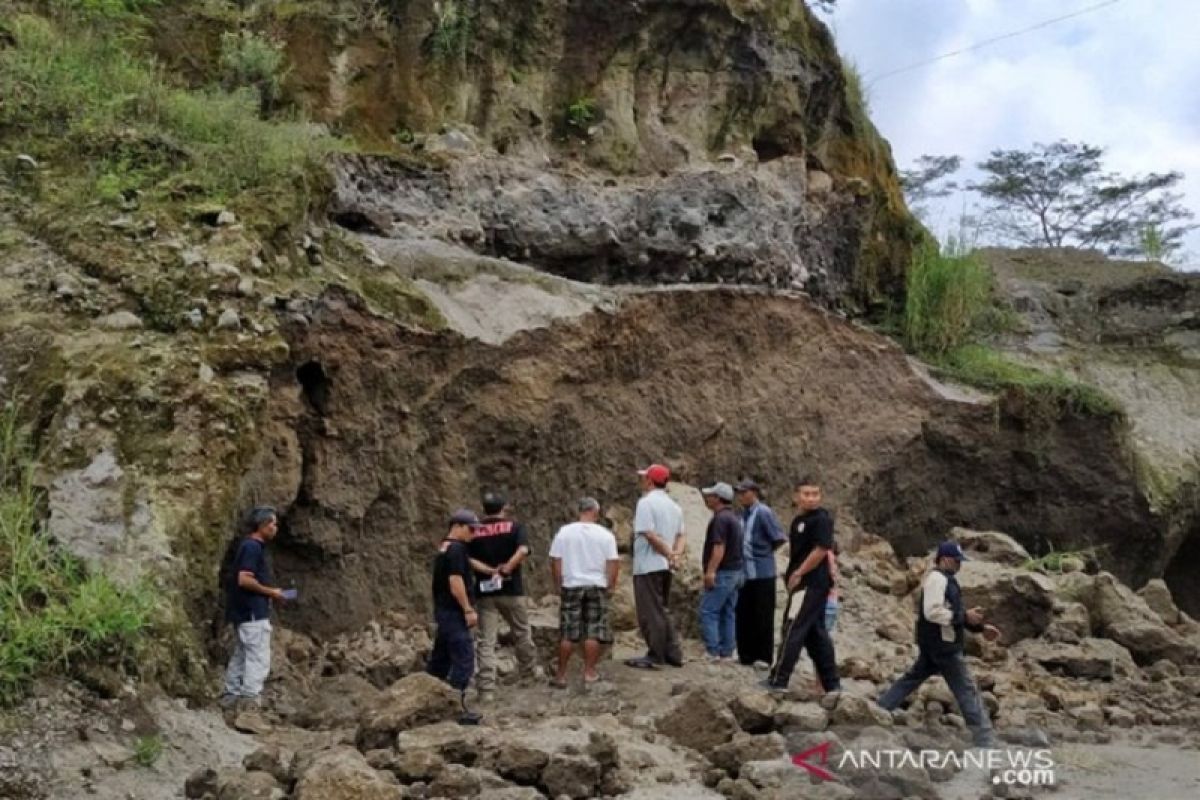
585,549
657,512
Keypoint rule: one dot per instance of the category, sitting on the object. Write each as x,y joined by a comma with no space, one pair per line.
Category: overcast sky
1125,77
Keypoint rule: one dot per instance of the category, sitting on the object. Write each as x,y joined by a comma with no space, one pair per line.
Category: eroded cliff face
378,430
608,141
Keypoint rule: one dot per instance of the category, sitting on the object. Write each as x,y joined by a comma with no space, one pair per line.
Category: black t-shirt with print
814,529
495,542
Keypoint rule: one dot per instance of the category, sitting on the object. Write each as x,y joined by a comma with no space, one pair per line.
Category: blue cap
951,550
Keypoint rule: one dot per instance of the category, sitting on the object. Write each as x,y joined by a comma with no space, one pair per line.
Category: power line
980,45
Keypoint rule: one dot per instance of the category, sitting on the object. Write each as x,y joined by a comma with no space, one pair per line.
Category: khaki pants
515,613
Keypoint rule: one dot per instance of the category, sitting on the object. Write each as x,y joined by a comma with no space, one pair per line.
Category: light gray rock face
753,225
91,517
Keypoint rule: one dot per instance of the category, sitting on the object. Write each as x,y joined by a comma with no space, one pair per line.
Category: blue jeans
953,668
453,656
717,608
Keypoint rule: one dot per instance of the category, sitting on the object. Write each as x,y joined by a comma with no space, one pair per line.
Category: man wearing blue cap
941,621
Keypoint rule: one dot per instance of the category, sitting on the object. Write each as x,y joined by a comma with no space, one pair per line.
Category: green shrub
948,301
53,612
581,113
451,31
252,61
147,749
856,93
1053,561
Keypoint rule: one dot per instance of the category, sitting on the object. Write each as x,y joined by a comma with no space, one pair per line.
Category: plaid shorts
583,614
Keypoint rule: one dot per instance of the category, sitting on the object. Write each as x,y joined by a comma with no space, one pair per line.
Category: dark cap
494,502
746,485
951,550
464,516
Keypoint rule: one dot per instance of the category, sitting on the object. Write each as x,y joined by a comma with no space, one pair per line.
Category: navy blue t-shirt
453,560
244,605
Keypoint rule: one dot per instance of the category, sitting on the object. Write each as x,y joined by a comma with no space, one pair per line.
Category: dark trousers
756,621
807,632
953,668
453,656
651,594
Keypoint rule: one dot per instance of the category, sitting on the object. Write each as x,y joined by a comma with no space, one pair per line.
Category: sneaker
773,688
712,658
470,718
228,700
761,666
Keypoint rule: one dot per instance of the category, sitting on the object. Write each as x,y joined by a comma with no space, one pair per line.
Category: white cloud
1122,77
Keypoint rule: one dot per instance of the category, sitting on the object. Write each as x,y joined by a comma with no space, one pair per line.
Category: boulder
239,785
414,765
458,781
699,721
338,702
418,699
1121,615
574,776
1158,597
754,711
801,717
1091,659
854,710
200,783
269,759
991,546
520,763
1018,602
343,774
472,745
743,748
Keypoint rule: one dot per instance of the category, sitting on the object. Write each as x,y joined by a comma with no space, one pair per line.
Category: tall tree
1060,194
929,179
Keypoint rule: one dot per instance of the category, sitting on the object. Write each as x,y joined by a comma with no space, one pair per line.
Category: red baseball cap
657,473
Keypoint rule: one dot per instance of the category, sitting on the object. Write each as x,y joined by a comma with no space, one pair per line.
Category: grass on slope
53,612
949,310
78,92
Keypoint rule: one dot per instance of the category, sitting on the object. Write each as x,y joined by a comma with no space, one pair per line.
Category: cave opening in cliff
1180,575
315,383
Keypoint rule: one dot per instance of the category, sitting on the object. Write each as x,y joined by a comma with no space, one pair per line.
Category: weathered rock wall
597,90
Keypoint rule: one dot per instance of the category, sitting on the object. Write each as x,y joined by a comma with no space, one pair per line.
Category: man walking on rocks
658,543
723,575
940,624
763,535
808,583
497,550
453,656
248,609
585,565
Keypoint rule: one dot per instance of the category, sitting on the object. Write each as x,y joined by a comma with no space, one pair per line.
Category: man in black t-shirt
500,545
453,656
808,582
724,573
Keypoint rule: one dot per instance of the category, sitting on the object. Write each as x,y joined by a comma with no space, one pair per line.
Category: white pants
251,660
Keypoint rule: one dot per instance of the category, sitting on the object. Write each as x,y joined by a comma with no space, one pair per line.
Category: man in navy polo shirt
453,656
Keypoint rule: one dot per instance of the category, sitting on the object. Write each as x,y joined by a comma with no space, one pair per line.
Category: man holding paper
500,546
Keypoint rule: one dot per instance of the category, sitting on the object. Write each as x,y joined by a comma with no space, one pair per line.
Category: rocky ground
1105,679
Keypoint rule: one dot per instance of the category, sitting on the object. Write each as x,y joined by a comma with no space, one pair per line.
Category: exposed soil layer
379,431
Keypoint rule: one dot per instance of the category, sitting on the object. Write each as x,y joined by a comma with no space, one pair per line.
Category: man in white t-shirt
585,565
658,544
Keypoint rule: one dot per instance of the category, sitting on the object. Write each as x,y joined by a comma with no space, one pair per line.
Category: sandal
641,663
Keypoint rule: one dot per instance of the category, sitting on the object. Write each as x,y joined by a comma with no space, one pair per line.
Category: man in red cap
658,544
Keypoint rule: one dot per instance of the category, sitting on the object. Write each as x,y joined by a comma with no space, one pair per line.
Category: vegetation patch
53,611
147,750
